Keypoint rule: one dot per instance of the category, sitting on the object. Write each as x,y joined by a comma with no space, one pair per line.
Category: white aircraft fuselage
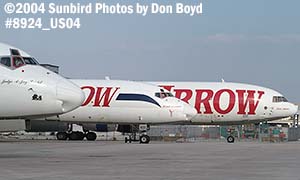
126,102
230,103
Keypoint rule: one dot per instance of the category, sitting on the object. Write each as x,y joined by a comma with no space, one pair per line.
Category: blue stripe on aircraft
136,97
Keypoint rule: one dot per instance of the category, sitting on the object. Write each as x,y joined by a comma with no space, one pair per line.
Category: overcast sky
256,42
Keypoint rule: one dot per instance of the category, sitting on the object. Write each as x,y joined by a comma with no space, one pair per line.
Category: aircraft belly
133,115
212,119
123,115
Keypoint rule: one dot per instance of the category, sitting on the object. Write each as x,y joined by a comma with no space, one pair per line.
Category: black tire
74,136
126,140
230,139
144,139
62,136
91,136
80,136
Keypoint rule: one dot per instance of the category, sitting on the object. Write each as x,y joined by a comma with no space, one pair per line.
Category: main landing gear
73,135
76,136
137,133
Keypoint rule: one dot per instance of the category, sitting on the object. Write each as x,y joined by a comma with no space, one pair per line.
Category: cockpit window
15,52
6,61
35,61
163,94
279,99
18,61
30,60
14,61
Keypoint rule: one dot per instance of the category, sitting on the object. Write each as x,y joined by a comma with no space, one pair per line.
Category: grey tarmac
51,160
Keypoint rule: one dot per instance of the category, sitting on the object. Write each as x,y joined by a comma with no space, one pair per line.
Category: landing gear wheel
91,136
80,136
62,136
74,136
144,139
230,139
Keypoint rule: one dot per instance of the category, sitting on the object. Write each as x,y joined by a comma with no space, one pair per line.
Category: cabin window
6,61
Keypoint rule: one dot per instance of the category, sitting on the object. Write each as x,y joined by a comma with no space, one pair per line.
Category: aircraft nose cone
71,96
295,109
189,111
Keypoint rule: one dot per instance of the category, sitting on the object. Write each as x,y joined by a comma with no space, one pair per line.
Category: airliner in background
28,90
225,103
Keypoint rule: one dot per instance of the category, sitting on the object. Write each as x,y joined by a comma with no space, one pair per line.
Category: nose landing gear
230,139
137,133
144,139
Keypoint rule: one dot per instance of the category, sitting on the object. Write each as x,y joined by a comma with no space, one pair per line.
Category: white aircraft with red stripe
124,102
222,103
